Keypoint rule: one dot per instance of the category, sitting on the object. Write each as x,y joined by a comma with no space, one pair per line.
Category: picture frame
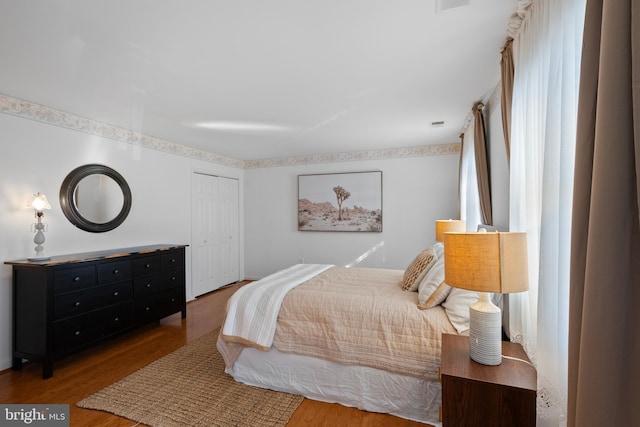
350,201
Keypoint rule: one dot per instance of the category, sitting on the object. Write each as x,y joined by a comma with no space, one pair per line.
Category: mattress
356,386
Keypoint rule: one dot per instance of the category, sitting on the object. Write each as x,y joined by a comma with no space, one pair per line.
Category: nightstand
479,395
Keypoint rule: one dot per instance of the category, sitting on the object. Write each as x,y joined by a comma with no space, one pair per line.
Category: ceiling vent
443,5
437,124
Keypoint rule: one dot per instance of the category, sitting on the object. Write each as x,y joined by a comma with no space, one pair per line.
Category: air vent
437,124
443,5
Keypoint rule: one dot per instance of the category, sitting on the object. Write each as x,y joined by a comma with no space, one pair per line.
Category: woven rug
189,388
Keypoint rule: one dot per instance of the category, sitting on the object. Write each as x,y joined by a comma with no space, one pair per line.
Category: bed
363,337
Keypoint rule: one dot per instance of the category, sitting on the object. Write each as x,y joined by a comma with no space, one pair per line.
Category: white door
214,233
228,214
204,233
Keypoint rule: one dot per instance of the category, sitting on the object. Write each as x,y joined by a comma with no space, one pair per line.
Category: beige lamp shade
486,262
447,225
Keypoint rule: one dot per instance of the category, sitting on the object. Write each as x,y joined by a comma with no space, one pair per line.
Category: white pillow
432,289
457,307
438,248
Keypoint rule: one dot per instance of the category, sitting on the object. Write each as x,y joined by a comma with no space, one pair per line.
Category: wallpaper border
37,112
395,153
44,114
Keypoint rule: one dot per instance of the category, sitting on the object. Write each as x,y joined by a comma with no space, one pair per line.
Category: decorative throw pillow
432,289
457,307
417,269
438,248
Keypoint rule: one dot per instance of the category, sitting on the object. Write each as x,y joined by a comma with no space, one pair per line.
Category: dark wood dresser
479,395
70,302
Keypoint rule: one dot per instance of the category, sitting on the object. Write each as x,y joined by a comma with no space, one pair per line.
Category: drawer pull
173,278
147,266
116,319
116,271
173,300
76,279
77,304
148,285
173,260
147,308
77,333
116,293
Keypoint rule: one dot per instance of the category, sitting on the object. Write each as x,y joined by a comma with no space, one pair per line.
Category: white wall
35,156
416,192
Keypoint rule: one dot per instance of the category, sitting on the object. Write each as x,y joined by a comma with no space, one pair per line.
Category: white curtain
544,115
469,194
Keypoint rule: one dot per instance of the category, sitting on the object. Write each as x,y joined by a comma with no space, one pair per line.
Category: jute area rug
189,388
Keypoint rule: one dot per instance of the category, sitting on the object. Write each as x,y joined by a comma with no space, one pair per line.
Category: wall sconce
39,203
486,263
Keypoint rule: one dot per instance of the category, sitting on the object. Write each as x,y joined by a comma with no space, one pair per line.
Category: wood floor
85,373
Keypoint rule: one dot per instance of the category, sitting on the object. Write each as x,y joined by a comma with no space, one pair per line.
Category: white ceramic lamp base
39,240
485,331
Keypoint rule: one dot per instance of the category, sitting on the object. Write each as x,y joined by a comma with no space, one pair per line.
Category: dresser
479,395
70,302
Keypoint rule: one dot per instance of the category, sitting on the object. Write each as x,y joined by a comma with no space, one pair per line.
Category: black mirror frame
70,209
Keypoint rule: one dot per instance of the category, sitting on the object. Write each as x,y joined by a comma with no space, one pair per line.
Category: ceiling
256,79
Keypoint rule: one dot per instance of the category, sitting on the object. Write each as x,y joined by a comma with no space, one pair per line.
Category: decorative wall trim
29,110
51,116
394,153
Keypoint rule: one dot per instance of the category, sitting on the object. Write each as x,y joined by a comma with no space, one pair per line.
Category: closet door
229,224
204,234
215,253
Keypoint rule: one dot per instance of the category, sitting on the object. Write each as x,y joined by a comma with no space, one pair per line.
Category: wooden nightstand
478,395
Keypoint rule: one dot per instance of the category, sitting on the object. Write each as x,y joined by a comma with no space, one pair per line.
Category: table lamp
39,203
447,225
486,263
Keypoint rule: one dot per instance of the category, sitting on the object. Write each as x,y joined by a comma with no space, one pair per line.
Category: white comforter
353,316
253,310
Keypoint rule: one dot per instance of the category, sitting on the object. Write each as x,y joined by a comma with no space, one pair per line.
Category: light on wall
486,263
39,203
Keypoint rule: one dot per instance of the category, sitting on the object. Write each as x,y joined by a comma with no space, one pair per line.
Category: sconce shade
447,225
486,262
40,202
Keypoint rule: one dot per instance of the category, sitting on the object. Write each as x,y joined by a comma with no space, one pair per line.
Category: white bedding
252,311
351,337
361,387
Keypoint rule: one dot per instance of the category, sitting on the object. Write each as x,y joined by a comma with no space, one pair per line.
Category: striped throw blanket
253,310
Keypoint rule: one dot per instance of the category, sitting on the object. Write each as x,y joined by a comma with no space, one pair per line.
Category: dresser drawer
116,271
73,279
78,331
158,305
158,282
145,265
173,260
75,303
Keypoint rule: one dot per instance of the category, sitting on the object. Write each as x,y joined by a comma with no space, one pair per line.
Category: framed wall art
340,202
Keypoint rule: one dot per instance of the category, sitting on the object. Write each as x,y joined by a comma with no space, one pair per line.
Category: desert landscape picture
340,202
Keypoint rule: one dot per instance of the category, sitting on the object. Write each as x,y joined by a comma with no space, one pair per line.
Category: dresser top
93,256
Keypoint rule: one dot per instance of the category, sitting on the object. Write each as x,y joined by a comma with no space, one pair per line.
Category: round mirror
95,198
